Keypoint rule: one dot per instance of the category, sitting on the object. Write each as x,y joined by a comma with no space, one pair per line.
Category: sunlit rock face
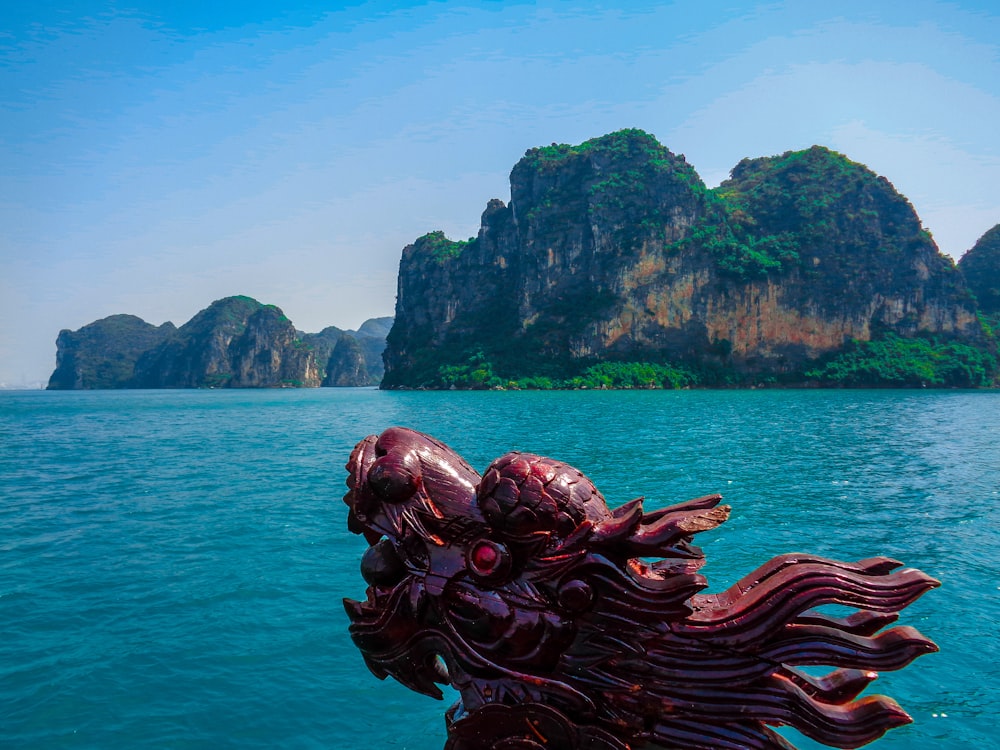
615,249
346,366
236,342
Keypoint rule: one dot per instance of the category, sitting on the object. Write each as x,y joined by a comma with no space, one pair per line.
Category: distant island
614,266
236,342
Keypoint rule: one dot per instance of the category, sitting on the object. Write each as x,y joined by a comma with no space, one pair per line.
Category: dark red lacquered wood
549,615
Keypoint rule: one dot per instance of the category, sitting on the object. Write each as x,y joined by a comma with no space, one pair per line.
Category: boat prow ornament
564,624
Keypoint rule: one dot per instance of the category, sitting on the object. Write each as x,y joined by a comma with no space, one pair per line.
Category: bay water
172,563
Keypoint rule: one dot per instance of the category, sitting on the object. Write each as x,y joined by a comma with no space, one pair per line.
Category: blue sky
157,156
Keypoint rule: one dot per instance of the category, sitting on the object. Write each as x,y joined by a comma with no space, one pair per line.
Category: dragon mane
565,624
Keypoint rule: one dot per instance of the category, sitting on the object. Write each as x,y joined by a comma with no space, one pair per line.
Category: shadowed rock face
981,267
341,368
615,249
236,342
346,366
103,353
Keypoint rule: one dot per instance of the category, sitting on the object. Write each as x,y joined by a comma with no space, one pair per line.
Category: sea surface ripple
172,563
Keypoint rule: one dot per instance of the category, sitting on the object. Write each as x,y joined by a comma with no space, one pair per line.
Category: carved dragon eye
381,566
393,478
488,560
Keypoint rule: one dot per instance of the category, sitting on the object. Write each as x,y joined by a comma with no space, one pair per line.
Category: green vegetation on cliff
646,156
621,179
627,143
792,210
613,253
235,342
477,372
981,267
889,361
896,361
633,375
439,247
103,354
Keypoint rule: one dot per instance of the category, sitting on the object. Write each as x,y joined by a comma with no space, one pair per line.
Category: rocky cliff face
981,267
340,369
103,353
616,250
237,343
346,366
371,336
322,344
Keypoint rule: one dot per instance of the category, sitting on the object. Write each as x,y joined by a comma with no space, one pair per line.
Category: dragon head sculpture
563,624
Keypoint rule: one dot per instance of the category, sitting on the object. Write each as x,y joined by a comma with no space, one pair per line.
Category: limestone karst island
614,266
235,342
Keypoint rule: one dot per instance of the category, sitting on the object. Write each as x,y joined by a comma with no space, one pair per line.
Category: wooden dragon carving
563,624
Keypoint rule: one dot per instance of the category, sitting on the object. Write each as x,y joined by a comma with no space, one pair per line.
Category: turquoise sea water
172,562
